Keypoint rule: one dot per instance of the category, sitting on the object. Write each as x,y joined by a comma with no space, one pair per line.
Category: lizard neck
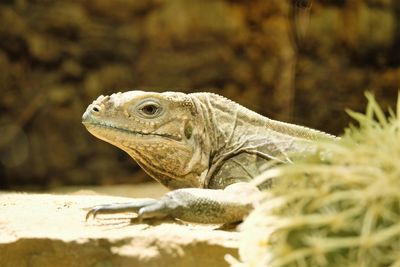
230,129
226,124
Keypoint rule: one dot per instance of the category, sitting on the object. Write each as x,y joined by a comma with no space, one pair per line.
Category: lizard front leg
196,205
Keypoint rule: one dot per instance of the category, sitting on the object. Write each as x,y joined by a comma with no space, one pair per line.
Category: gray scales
204,147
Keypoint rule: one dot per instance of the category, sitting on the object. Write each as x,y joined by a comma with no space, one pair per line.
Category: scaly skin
202,146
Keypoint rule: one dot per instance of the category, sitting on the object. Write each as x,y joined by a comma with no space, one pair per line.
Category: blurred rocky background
57,56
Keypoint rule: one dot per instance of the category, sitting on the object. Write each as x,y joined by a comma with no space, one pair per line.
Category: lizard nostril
96,108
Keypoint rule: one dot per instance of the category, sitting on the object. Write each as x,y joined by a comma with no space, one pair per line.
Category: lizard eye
149,109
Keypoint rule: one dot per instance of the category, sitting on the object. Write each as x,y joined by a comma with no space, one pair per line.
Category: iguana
204,147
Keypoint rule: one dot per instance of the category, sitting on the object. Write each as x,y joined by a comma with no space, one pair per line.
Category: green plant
337,207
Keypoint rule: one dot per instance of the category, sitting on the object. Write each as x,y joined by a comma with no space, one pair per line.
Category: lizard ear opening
188,130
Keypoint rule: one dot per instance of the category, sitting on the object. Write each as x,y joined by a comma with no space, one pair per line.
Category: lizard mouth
107,126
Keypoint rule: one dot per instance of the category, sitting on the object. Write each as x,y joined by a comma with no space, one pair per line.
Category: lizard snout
92,110
96,108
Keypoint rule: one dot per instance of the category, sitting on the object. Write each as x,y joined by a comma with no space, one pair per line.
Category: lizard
202,146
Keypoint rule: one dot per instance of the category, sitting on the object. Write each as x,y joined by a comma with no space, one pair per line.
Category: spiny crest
297,130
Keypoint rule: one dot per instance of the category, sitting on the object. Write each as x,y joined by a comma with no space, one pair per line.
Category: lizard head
158,130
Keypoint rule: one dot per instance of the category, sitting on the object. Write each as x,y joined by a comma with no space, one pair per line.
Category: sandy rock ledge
50,230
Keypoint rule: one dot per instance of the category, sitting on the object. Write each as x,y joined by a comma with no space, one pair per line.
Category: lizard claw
134,206
93,212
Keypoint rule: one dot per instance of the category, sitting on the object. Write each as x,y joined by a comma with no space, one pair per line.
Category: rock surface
50,230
